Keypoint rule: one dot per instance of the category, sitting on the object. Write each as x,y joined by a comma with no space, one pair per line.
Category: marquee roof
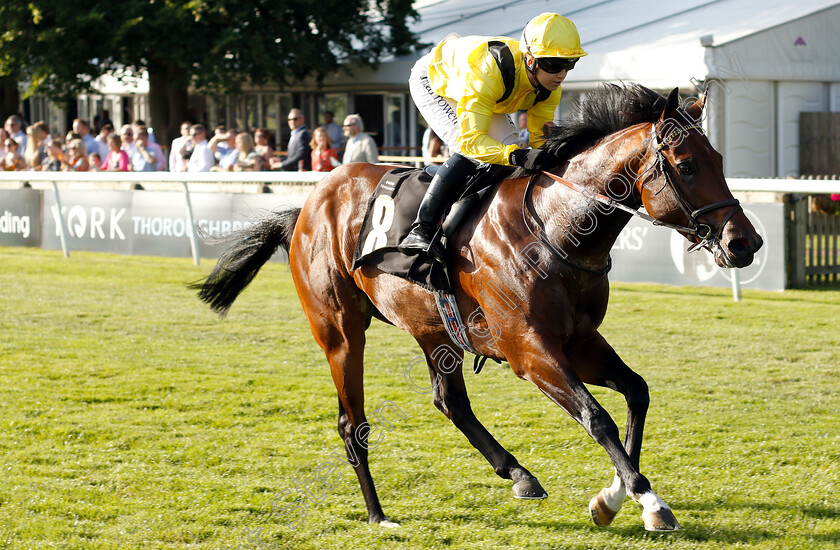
630,40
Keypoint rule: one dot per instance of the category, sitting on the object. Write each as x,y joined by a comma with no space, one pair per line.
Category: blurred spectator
151,144
433,147
177,161
36,151
524,136
201,158
126,139
333,130
55,156
141,125
117,159
223,146
14,125
144,158
94,161
82,128
299,155
102,139
264,148
47,137
76,156
395,132
12,160
324,156
247,158
219,130
4,135
360,147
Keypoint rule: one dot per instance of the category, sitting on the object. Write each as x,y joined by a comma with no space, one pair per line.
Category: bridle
706,234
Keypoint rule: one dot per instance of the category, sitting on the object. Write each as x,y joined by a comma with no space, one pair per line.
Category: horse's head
684,185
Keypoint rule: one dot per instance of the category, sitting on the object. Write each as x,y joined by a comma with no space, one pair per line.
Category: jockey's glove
533,159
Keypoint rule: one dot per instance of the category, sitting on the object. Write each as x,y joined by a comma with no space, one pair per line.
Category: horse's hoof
388,524
661,520
529,489
601,514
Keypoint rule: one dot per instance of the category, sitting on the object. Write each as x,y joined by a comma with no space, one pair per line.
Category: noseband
706,233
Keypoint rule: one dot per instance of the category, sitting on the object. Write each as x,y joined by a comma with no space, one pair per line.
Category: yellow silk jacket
464,70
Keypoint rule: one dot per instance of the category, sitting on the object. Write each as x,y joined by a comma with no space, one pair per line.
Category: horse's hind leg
450,397
357,456
597,363
338,324
347,372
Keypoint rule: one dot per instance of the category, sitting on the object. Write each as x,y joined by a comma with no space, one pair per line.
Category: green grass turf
133,418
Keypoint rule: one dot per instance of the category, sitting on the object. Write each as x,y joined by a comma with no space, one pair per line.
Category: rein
603,199
540,235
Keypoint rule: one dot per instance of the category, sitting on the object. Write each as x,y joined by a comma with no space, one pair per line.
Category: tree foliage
59,47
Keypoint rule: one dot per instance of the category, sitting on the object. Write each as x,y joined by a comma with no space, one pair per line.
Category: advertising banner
647,253
20,217
156,223
151,223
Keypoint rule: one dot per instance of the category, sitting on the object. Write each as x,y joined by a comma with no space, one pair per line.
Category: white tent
764,62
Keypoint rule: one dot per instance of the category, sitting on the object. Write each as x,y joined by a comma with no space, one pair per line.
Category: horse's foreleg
551,371
450,397
597,363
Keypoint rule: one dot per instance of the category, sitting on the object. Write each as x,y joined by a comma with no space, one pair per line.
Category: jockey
465,88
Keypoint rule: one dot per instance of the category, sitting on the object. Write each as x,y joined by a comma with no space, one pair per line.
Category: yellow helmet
551,35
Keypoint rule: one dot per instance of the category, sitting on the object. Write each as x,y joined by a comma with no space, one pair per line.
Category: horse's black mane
600,113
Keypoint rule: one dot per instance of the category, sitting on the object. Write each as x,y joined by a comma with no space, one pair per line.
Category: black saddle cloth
392,209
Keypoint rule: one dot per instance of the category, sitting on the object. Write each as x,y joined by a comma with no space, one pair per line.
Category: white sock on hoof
615,494
651,502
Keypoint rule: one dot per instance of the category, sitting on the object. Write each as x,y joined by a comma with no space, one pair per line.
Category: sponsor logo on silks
19,225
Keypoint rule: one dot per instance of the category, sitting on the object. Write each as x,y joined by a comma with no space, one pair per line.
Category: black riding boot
449,178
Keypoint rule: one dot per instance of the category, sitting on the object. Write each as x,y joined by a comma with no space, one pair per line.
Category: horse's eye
685,168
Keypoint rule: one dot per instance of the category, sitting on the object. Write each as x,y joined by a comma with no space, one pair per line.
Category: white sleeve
209,160
173,155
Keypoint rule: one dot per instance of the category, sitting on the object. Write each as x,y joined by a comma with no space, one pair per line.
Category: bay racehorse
532,260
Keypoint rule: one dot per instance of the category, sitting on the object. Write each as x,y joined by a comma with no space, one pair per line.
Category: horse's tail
252,246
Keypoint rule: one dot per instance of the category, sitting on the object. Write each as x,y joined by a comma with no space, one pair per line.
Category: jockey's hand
533,159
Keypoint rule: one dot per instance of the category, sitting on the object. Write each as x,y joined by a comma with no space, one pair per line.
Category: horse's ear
695,110
671,105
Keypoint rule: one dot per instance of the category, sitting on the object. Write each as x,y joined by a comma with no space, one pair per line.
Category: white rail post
62,233
736,284
191,220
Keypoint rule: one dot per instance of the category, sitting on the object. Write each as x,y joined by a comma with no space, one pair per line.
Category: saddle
392,209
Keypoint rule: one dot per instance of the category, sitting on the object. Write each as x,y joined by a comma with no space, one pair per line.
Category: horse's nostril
739,246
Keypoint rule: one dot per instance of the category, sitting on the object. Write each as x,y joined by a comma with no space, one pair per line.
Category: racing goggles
554,65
